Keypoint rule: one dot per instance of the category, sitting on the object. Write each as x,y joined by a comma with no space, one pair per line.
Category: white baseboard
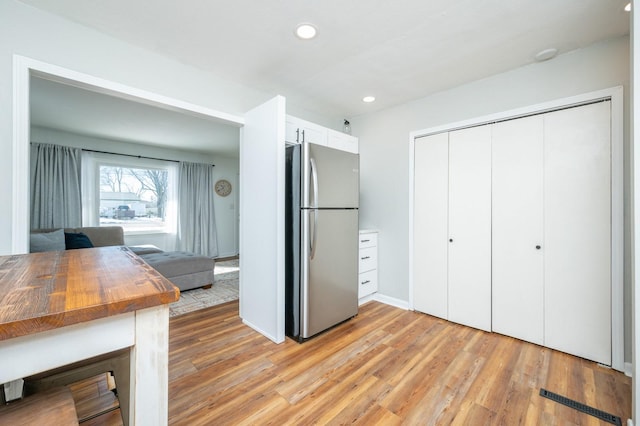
398,303
628,369
366,299
269,336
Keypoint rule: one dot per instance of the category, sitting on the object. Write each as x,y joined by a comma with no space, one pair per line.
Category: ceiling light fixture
306,31
368,99
546,54
628,7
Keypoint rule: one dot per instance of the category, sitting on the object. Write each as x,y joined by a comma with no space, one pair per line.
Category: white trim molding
392,301
615,95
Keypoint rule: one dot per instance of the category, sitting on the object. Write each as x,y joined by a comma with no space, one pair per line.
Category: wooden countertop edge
27,326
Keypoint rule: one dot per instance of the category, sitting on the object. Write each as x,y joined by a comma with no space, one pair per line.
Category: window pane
134,198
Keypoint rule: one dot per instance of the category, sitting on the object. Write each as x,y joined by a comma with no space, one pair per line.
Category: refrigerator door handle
314,181
312,246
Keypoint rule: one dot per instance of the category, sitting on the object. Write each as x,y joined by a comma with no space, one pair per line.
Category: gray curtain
196,217
56,200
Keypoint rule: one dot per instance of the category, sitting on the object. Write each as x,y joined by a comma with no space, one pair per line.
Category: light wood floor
386,366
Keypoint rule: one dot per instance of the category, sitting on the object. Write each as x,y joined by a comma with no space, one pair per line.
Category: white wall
226,208
384,144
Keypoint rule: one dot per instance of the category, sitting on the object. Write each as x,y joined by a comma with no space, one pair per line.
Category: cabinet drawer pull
365,282
364,241
365,258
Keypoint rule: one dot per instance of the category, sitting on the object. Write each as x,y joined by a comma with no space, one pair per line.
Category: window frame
91,164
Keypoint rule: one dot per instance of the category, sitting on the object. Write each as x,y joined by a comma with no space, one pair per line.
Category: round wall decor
223,187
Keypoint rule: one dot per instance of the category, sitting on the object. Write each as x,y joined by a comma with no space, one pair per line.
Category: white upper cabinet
299,131
342,141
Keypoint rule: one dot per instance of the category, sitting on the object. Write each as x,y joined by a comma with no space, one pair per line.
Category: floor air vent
609,418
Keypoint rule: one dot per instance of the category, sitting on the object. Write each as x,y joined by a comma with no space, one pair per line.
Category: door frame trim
615,95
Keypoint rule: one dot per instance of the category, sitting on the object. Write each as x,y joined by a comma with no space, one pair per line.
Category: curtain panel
196,216
56,199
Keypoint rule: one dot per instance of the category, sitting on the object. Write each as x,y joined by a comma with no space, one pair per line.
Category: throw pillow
47,241
76,240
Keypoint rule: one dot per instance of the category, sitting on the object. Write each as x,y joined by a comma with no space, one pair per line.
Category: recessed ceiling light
306,31
368,99
628,7
546,54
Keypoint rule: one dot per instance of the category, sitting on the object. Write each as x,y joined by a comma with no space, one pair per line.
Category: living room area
99,161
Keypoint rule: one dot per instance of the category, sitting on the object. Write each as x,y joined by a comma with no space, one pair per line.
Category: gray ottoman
185,270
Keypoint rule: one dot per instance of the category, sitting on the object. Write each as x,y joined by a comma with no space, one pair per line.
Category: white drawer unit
368,263
368,283
368,259
368,239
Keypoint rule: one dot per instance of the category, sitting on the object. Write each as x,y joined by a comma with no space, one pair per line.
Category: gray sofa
185,270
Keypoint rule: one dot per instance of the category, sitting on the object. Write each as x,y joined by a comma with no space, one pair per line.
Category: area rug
224,289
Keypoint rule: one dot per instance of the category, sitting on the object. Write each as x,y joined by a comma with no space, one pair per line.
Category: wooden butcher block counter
43,291
62,307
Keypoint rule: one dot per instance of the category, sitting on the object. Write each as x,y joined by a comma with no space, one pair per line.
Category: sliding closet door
517,211
431,197
578,231
469,268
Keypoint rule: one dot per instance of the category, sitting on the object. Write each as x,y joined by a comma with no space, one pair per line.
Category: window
134,198
130,192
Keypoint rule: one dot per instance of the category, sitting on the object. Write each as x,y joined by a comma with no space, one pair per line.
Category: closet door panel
469,268
431,165
517,212
578,231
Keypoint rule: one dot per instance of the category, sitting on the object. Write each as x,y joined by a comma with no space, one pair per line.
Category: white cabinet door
517,245
342,141
577,176
299,131
292,130
430,224
469,269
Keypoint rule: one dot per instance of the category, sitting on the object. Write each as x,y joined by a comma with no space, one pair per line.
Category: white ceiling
75,110
397,51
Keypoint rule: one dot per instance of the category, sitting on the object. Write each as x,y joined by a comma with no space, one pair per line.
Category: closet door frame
615,95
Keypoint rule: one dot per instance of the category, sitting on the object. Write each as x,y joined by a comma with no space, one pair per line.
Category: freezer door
330,276
330,177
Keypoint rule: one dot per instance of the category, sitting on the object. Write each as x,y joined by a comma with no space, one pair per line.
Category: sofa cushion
176,263
47,241
76,240
100,236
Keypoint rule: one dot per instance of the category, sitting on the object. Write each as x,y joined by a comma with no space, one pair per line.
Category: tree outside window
134,198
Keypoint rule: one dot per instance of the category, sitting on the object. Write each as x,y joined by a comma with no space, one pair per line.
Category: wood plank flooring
92,397
386,366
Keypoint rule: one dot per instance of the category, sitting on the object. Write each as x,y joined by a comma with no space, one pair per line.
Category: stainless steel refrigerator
321,238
